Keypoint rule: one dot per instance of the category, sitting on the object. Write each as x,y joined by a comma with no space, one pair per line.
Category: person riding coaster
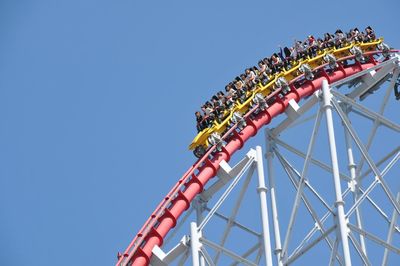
271,68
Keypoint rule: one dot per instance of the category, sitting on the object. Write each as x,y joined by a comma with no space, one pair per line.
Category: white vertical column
356,185
198,205
335,169
195,244
262,191
275,220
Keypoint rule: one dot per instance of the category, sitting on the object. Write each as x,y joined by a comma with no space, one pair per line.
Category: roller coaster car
214,135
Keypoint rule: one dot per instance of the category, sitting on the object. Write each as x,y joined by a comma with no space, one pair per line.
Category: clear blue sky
97,102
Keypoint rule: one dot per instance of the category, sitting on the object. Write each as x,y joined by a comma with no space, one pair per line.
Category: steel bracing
341,209
337,210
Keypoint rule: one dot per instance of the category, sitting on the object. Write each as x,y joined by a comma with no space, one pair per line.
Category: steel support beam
367,157
228,178
300,186
327,106
262,191
374,238
359,250
355,184
371,78
195,244
248,252
226,174
226,251
389,238
237,224
299,112
226,193
366,112
271,179
160,258
290,171
232,217
295,256
374,129
313,160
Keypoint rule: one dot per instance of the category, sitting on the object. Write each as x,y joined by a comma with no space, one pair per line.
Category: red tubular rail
192,183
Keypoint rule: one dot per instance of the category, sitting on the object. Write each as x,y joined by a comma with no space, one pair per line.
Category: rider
262,73
251,78
339,38
370,34
201,122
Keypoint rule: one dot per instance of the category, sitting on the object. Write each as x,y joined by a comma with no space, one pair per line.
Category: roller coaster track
178,200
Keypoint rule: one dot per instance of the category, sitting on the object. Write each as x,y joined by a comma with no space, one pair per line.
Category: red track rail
164,218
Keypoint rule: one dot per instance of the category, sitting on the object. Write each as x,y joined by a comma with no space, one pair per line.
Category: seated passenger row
267,68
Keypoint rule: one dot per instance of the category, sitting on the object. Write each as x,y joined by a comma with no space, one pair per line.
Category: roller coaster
278,86
217,143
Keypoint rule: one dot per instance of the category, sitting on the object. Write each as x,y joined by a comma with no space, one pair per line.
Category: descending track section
165,216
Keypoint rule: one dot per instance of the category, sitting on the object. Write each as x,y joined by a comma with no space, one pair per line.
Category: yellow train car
202,138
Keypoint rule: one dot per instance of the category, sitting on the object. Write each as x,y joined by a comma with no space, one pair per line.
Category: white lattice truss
341,228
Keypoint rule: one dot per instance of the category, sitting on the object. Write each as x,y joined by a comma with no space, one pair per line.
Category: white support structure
355,184
198,205
195,244
159,258
299,193
343,229
271,178
389,239
319,226
262,191
371,80
292,110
